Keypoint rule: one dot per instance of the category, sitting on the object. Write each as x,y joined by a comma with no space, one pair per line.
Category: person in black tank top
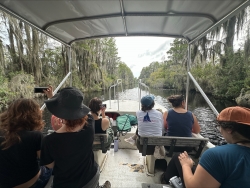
97,108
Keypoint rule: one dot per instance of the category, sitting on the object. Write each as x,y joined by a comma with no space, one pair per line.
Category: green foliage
178,51
125,73
230,77
5,94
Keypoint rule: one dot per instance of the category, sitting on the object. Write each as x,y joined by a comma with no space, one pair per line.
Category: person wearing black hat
69,150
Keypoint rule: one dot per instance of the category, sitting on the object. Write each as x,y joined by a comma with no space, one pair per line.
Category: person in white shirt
150,121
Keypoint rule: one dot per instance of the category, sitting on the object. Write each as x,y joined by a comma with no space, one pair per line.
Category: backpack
123,123
132,119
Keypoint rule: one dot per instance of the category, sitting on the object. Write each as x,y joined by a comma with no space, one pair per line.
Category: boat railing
58,87
118,82
203,94
140,86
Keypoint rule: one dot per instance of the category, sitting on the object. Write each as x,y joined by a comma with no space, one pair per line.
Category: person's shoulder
49,137
139,112
156,111
218,150
32,133
105,120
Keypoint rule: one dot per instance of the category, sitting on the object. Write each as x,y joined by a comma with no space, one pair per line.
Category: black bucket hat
67,104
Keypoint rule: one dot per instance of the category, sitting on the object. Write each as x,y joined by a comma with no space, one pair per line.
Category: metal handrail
118,82
139,91
58,87
203,94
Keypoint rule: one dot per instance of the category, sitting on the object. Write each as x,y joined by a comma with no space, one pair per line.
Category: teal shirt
228,164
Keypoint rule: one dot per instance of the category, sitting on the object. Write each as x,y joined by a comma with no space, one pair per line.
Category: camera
104,105
39,89
176,182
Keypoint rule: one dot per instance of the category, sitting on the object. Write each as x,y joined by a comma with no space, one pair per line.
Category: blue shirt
180,124
228,164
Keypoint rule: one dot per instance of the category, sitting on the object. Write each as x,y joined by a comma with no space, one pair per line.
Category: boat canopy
71,20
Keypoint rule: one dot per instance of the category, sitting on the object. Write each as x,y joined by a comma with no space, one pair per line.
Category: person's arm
103,112
165,115
51,165
38,153
105,124
201,178
49,92
196,126
46,159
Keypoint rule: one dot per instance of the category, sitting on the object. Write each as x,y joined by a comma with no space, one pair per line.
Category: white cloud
139,52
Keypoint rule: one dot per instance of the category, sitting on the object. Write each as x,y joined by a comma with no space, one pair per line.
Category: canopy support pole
188,69
70,65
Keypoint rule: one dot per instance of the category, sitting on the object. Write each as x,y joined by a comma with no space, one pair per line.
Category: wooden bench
196,144
100,139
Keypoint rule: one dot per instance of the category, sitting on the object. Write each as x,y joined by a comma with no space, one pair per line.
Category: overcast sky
139,52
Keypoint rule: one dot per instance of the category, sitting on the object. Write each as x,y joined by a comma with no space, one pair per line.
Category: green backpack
123,123
132,119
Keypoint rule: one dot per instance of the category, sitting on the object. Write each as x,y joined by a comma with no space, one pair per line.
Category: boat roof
72,20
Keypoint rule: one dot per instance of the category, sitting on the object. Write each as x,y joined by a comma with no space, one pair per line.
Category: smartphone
104,105
39,89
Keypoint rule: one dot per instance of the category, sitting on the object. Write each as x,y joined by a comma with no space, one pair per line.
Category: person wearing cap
178,121
150,121
222,166
69,149
21,135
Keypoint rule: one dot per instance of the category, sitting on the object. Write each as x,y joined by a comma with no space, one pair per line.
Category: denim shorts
43,178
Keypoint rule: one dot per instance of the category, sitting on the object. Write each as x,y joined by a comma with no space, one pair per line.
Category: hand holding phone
40,89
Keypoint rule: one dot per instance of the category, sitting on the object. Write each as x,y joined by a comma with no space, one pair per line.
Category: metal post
69,61
118,94
188,68
204,95
139,93
114,93
110,97
58,87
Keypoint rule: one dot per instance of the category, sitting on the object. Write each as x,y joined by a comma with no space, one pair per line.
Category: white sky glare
139,52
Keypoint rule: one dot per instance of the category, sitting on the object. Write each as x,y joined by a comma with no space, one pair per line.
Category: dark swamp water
196,104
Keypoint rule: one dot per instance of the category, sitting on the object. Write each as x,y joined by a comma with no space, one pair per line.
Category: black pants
174,169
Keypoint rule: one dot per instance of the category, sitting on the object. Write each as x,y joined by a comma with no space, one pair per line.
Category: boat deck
126,169
127,106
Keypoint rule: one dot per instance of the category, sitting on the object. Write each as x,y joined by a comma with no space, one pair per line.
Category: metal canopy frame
126,13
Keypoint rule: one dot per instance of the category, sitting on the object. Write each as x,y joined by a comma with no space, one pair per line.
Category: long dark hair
22,114
176,100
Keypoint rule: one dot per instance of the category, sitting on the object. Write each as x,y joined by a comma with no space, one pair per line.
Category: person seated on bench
21,136
222,166
150,121
69,149
178,121
96,108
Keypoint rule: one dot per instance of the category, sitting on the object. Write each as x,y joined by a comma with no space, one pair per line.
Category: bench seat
173,144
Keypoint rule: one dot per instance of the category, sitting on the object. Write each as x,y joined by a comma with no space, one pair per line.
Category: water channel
196,104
